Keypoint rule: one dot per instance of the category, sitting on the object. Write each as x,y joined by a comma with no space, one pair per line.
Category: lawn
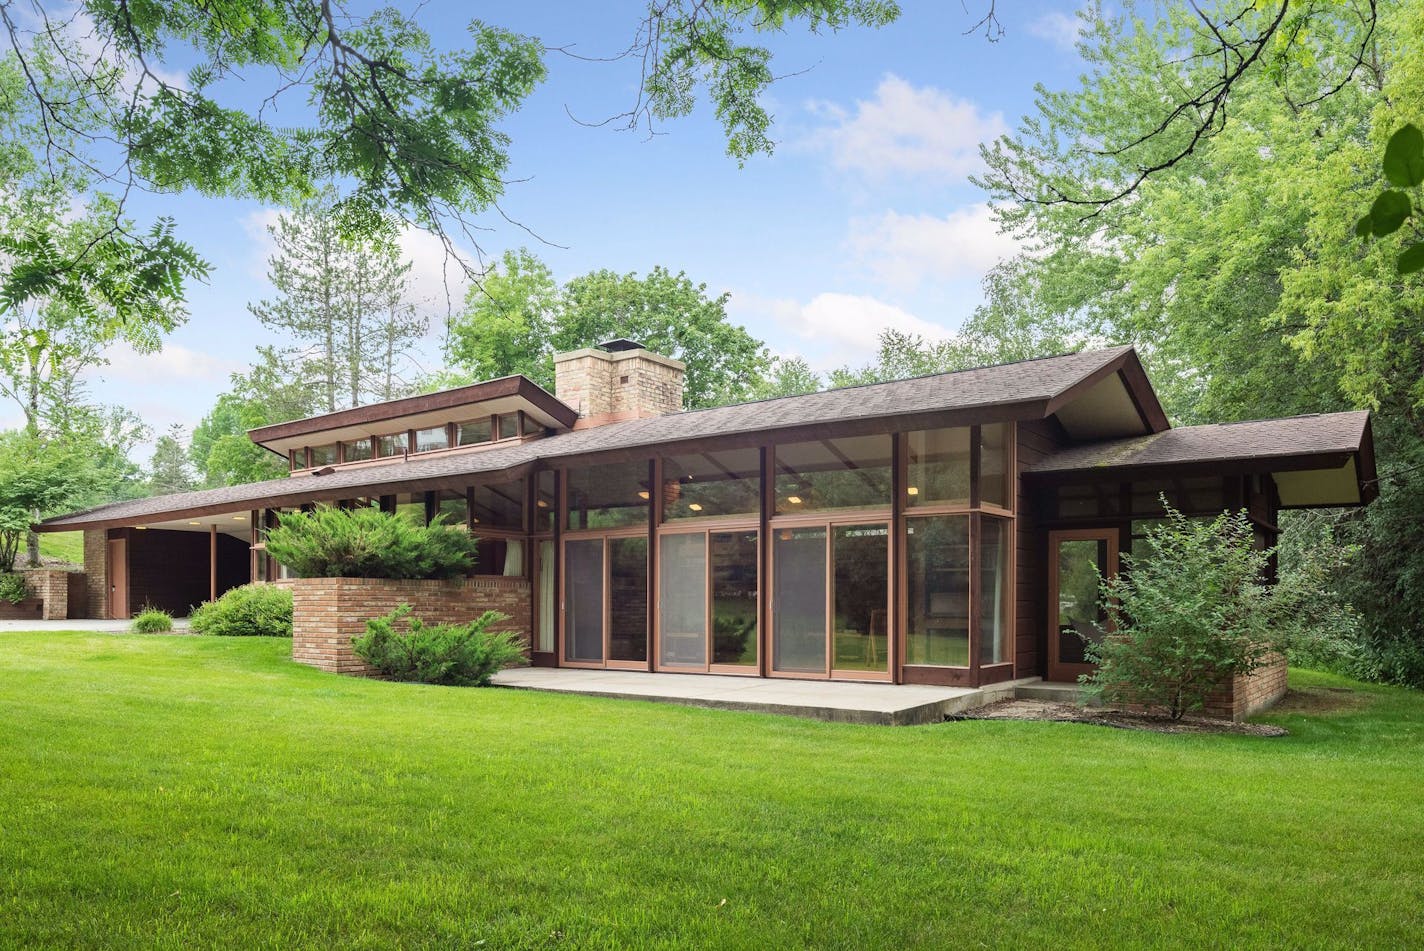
66,546
180,792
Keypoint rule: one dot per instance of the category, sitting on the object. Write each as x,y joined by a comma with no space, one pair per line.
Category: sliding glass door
707,601
606,601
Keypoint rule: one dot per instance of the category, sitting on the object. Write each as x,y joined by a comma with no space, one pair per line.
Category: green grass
207,792
68,546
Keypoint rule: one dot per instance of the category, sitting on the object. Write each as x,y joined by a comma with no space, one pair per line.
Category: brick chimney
618,380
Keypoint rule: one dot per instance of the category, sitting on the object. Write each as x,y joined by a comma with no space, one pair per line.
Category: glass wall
356,450
682,600
829,474
546,502
860,638
428,440
583,600
499,506
996,589
937,466
798,614
693,568
453,507
607,496
392,445
628,598
734,597
996,476
473,432
937,580
321,455
544,634
726,482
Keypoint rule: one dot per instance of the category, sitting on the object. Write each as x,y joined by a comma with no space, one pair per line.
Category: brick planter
327,613
1247,695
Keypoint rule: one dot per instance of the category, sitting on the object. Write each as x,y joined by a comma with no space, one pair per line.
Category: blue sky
863,218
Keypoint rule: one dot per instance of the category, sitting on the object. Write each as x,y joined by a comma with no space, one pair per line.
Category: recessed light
794,499
239,518
141,528
643,494
195,523
695,507
912,490
542,504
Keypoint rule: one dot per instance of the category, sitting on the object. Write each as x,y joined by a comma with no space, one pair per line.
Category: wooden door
118,578
1078,561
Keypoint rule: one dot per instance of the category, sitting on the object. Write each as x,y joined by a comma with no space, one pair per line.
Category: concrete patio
880,704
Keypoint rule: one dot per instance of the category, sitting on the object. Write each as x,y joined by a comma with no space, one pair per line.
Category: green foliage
221,450
518,318
37,478
1197,612
253,610
453,655
1404,167
152,620
368,543
12,587
168,469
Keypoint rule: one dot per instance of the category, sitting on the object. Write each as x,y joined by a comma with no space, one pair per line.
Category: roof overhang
1114,402
504,395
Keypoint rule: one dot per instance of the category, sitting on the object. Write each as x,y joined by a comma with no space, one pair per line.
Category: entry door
605,582
118,578
1078,561
830,601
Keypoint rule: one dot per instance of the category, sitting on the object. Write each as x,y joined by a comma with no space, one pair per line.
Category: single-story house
949,529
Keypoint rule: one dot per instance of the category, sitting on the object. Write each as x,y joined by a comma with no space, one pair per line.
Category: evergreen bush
368,543
456,655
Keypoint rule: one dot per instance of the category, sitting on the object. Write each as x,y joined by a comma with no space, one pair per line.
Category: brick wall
1246,695
328,612
96,571
51,585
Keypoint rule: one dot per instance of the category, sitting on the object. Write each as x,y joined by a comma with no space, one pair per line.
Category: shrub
253,610
1197,611
13,587
369,543
451,654
152,620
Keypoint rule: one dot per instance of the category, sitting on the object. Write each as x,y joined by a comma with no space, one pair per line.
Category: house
948,529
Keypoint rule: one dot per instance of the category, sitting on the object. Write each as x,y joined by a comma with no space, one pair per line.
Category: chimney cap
620,345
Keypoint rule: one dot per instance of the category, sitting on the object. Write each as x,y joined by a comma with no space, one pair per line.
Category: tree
168,470
1237,270
221,451
410,130
343,300
787,376
518,318
36,476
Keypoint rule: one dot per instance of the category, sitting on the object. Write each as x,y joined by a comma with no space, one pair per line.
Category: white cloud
172,363
906,130
831,329
903,251
1059,28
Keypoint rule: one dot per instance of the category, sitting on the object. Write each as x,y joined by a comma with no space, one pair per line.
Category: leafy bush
369,543
13,587
253,610
152,620
456,655
1197,612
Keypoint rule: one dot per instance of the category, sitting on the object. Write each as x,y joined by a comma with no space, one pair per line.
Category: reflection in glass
499,506
545,502
474,432
937,579
356,450
608,496
628,598
833,474
799,603
1081,619
428,440
392,445
712,483
322,455
583,599
544,637
453,507
861,596
734,598
937,466
996,483
682,599
995,589
411,506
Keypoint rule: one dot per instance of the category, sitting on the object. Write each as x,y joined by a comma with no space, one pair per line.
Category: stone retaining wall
327,613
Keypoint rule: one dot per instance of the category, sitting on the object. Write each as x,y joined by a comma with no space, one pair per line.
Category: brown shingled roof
1024,390
1270,441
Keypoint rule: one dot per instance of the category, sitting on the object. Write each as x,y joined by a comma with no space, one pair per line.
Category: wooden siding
171,570
1037,439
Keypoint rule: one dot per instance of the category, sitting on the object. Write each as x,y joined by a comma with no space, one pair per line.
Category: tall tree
342,299
168,471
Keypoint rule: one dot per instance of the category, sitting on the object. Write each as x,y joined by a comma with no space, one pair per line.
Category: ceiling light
643,494
794,499
542,504
912,490
695,507
141,528
195,523
239,518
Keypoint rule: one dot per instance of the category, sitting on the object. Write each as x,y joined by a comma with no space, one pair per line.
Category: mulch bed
1057,712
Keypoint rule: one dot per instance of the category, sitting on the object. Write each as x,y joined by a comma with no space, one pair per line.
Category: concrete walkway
102,627
884,704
